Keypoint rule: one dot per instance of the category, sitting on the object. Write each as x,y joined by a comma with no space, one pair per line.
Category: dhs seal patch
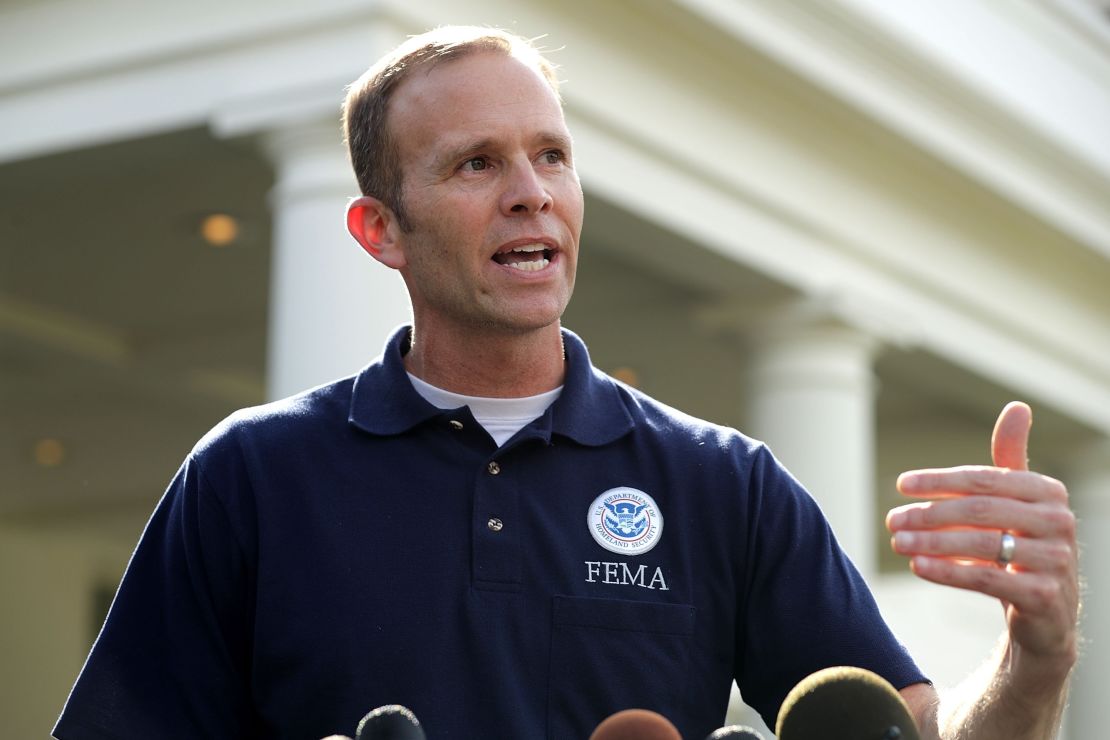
625,520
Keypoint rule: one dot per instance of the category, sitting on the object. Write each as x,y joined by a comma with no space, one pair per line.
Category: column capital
310,160
277,109
867,318
804,343
318,134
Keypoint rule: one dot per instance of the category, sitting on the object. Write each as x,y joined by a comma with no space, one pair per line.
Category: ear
374,227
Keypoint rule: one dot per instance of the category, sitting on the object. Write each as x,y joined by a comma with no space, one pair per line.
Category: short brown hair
373,149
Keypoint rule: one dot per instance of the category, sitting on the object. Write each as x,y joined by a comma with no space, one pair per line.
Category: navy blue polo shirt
354,546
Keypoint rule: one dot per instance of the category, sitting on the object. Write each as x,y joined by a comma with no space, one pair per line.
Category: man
483,527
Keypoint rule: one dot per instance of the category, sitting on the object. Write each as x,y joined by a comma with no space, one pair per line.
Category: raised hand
1006,532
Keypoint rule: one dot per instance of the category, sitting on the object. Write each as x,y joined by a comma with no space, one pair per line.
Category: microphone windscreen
635,724
391,722
735,732
845,703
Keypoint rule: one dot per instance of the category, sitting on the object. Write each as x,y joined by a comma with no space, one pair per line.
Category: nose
525,192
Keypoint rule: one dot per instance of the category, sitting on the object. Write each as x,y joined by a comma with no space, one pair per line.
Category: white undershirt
501,417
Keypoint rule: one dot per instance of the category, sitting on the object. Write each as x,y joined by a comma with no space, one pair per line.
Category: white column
331,304
1089,485
812,401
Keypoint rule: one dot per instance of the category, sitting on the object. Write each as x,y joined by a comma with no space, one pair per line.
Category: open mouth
526,258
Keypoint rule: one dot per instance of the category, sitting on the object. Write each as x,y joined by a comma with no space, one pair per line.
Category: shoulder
602,409
696,440
282,423
678,427
708,452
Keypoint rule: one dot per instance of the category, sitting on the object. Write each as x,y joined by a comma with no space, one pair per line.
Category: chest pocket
611,654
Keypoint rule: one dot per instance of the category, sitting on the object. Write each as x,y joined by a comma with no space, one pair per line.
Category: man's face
493,199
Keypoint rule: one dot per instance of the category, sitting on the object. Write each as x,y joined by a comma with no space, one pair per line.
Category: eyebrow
446,159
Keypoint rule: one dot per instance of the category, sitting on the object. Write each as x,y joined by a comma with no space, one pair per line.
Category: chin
525,323
528,327
532,316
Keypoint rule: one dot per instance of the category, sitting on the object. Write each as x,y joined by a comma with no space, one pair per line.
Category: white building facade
852,228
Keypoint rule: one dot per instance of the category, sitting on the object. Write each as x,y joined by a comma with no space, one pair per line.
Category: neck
492,365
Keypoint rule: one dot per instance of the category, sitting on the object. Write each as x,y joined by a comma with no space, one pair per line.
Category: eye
553,156
475,164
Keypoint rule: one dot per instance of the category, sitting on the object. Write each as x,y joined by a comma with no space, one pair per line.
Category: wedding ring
1006,549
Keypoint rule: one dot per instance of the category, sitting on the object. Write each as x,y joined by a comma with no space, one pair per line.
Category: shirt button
493,467
495,524
456,424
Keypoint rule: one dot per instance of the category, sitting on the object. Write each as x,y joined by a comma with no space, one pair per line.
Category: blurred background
853,228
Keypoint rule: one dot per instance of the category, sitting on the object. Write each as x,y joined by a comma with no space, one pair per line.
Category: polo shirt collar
383,401
591,409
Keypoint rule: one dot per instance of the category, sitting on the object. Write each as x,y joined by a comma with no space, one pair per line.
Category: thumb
1010,441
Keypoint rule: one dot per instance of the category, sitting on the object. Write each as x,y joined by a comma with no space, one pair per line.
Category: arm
171,659
954,538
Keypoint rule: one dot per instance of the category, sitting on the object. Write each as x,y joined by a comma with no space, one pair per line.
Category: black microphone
635,724
735,732
845,703
391,722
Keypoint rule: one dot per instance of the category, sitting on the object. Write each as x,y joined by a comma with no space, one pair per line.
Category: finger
974,512
979,480
1010,440
984,546
1028,592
